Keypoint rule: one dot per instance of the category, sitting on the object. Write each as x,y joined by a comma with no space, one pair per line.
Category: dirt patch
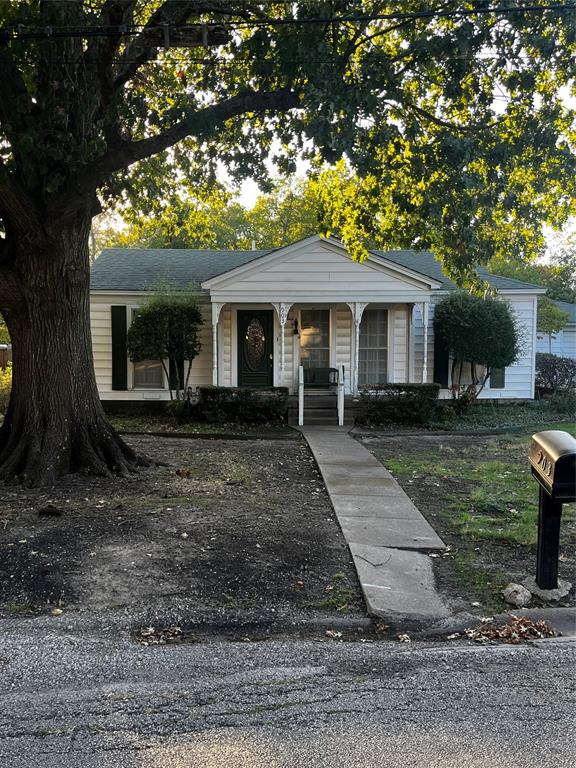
478,494
230,524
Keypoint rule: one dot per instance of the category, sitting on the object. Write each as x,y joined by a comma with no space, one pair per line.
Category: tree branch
447,124
198,123
114,13
144,46
14,96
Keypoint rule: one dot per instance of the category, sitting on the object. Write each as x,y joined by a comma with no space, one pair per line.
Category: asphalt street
101,701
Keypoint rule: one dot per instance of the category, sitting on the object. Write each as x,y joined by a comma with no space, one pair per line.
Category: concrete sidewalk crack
375,565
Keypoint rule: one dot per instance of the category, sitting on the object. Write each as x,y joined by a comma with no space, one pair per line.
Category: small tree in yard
479,331
551,318
166,329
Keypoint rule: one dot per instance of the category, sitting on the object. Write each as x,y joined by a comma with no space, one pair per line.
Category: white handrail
341,396
301,396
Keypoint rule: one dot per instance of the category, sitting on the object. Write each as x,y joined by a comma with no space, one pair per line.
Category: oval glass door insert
254,344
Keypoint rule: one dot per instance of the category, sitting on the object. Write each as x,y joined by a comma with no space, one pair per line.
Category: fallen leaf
519,629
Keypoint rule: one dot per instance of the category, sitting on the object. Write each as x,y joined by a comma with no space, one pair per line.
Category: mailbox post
553,462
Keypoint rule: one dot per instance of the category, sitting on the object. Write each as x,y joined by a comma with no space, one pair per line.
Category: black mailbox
553,462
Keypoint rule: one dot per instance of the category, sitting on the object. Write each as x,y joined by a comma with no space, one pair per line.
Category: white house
562,343
307,304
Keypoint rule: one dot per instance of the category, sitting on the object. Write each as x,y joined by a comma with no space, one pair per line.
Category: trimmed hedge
397,403
225,405
554,373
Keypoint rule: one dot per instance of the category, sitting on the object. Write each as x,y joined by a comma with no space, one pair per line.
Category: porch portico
373,341
311,305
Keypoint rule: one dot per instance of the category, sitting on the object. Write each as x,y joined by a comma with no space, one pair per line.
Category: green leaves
551,318
476,330
166,328
455,125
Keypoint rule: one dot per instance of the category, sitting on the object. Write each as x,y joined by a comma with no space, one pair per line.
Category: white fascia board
516,292
306,297
522,292
115,292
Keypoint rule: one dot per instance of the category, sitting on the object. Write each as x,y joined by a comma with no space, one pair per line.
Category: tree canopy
452,117
287,213
557,274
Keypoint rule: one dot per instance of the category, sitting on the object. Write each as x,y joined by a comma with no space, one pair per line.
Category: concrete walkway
387,535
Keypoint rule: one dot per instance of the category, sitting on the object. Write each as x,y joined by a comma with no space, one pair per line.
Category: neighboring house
5,355
268,312
562,343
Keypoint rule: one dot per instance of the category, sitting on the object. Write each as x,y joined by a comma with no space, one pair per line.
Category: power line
47,33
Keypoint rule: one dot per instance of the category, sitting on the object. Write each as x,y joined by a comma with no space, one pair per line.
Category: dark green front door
255,348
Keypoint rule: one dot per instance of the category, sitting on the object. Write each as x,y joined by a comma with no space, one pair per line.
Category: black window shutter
441,363
497,378
172,373
119,348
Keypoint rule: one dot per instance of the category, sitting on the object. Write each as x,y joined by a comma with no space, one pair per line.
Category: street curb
206,622
562,619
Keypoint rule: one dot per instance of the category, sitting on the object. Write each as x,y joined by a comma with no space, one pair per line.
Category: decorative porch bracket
282,309
216,309
357,309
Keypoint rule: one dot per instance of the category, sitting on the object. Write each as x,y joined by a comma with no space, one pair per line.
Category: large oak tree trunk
55,422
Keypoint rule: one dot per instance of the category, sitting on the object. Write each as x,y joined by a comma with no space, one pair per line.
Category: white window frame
331,331
389,341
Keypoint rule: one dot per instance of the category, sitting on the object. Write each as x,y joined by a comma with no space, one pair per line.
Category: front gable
319,270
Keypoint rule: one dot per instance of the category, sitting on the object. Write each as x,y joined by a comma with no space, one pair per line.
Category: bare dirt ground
230,525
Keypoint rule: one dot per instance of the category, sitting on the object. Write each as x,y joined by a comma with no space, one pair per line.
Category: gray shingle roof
148,269
565,306
425,263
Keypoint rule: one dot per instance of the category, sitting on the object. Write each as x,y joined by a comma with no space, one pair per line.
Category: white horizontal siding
342,341
317,273
398,316
519,376
101,328
562,343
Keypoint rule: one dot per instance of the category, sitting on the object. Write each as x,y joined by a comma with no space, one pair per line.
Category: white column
357,308
410,311
425,305
216,309
282,310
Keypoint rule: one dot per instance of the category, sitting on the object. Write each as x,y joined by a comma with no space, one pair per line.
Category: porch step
318,411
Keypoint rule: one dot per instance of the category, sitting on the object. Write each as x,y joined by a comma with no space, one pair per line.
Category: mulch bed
231,524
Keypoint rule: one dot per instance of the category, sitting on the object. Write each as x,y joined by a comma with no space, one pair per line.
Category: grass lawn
479,495
529,414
